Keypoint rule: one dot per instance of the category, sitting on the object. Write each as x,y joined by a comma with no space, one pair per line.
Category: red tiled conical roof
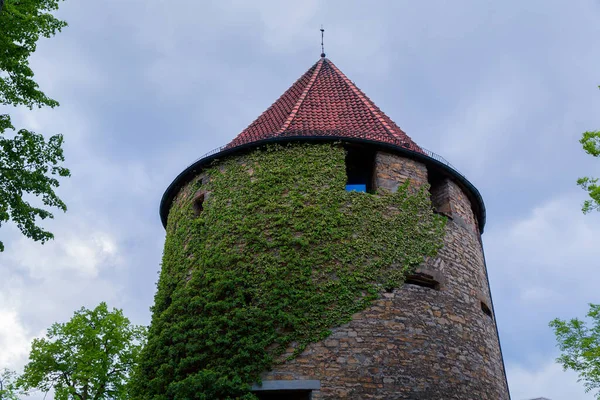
324,102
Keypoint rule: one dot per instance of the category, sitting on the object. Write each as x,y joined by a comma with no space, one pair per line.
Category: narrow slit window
198,203
439,191
486,310
423,280
359,169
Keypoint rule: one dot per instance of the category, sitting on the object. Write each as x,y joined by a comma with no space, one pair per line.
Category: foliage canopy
591,144
28,163
580,347
89,357
276,255
8,391
22,23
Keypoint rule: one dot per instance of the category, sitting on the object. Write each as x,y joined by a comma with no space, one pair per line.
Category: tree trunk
1,5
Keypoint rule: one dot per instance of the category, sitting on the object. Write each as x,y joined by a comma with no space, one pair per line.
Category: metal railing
440,159
406,146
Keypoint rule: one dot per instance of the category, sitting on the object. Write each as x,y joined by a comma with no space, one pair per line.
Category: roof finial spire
322,47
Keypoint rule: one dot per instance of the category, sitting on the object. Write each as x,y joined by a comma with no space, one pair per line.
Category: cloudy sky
502,90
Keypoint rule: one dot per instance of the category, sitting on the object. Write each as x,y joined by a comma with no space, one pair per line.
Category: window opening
198,203
360,162
486,310
423,280
286,389
283,394
439,191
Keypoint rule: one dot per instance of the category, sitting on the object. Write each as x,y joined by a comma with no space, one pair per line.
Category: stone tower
434,337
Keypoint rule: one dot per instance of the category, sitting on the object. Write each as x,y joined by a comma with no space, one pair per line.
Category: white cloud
547,259
549,381
46,283
81,251
552,247
14,340
486,121
539,294
542,266
287,25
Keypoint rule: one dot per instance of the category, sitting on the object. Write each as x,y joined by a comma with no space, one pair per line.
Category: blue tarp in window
359,187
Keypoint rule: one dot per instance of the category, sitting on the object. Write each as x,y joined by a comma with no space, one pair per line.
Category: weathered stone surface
392,170
416,342
448,199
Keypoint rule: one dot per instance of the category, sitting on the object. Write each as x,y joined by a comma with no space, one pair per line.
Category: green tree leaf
22,23
591,144
8,391
580,347
88,358
29,164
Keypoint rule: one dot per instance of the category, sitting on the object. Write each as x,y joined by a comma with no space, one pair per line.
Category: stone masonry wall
416,342
461,207
391,171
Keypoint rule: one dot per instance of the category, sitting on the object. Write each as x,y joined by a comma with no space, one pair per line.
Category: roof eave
195,168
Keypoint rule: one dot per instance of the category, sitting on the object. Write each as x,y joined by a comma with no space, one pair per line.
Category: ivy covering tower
322,254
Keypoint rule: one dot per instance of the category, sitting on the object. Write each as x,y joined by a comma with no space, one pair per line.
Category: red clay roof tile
324,102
